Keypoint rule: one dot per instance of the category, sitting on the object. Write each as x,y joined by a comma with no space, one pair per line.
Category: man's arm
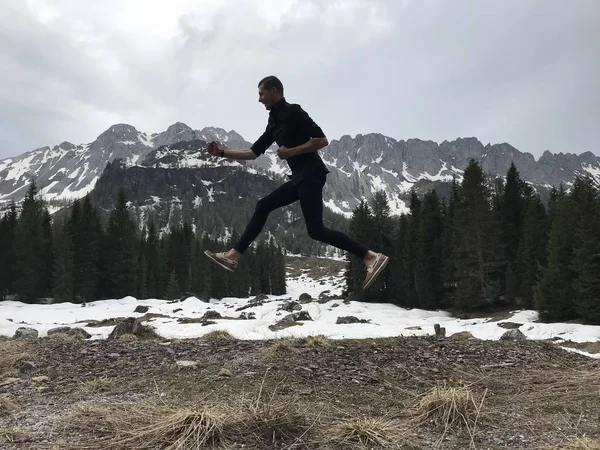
213,149
310,146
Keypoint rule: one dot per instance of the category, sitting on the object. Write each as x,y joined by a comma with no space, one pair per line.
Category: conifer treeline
491,244
80,259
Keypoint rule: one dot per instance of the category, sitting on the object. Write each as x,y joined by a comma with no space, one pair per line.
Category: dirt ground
61,393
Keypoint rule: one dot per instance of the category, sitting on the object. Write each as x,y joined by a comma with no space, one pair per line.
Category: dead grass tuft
561,390
12,353
147,425
577,443
12,435
128,337
65,337
319,340
280,348
218,335
450,408
265,422
98,385
583,443
6,405
365,433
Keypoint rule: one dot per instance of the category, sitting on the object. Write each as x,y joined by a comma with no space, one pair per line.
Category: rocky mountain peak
66,146
177,132
178,127
120,132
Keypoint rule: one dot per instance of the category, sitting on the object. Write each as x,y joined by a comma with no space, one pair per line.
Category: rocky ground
63,392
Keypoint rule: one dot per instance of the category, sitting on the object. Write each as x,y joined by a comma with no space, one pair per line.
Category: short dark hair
271,82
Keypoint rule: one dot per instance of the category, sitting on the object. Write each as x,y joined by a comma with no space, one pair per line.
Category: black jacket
290,126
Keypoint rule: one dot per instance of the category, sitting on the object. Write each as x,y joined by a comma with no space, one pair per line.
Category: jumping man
299,139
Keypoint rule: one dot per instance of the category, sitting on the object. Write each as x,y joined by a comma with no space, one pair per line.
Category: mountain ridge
359,165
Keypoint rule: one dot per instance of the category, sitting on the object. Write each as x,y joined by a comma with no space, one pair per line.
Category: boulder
130,325
26,333
513,335
291,306
305,298
211,314
247,316
74,332
141,309
509,325
63,330
350,319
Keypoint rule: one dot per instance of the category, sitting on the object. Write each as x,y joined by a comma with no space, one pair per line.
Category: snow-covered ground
386,320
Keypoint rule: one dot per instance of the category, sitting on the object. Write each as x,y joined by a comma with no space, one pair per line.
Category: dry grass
146,426
256,422
448,408
65,337
577,443
318,340
98,385
280,348
562,390
12,435
583,443
217,335
6,405
128,337
365,433
12,353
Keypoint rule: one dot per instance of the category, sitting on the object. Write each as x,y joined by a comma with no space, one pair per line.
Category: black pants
310,193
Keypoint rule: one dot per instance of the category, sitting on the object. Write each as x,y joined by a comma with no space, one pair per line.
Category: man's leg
282,196
311,201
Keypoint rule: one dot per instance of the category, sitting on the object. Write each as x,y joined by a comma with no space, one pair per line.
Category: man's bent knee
316,232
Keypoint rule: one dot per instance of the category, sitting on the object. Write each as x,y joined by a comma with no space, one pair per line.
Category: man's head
270,90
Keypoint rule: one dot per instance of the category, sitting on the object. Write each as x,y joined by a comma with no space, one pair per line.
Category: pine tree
279,272
121,276
361,224
586,256
30,249
512,213
410,244
46,274
449,244
8,225
151,250
396,263
63,268
428,270
381,240
477,244
554,293
533,248
173,291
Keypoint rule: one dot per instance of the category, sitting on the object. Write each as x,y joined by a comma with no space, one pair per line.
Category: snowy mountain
358,165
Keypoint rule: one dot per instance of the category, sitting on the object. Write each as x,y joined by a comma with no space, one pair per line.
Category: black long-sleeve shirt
290,126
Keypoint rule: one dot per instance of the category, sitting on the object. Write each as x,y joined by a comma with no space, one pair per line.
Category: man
299,139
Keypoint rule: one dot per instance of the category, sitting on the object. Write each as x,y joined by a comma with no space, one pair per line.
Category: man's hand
284,153
213,149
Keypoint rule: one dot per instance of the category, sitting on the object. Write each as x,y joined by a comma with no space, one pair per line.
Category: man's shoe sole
213,257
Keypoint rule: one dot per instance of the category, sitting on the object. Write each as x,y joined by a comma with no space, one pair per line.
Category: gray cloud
523,72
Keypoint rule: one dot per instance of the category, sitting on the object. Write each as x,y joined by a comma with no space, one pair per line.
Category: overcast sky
519,71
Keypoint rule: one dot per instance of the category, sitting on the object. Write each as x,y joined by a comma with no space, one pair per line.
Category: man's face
267,97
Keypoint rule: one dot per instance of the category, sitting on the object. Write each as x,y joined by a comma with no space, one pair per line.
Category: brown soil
534,395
